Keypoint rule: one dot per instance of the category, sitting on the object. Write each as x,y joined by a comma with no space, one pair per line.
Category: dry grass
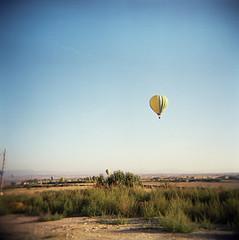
34,190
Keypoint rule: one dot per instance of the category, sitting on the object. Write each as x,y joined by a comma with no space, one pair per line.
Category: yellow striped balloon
158,104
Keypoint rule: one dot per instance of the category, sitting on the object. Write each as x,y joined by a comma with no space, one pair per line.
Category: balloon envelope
158,104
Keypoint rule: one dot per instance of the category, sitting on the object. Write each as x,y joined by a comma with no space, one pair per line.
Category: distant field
232,184
225,184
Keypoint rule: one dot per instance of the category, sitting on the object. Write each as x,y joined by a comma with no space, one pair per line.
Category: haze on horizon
76,79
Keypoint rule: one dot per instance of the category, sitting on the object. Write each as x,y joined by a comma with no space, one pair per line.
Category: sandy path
15,227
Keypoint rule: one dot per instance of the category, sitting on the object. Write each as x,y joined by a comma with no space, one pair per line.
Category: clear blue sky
76,78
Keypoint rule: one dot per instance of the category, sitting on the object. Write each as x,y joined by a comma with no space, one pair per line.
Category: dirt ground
17,227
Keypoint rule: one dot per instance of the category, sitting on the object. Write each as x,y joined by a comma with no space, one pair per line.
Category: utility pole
2,172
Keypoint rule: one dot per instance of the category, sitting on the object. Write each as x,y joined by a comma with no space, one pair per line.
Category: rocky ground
16,227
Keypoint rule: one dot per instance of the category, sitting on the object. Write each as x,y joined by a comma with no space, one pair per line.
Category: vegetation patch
50,217
175,220
178,210
118,178
205,223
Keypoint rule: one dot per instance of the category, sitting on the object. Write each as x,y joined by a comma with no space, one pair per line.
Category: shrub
36,205
206,224
100,181
68,208
231,211
175,220
119,178
148,210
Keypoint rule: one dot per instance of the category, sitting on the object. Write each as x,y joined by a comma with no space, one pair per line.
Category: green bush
119,178
205,223
175,220
68,208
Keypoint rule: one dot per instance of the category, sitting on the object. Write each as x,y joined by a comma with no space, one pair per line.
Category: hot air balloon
158,104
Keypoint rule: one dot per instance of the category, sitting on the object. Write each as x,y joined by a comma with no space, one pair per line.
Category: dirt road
16,227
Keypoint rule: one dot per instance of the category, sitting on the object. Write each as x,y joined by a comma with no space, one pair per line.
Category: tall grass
176,209
175,219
